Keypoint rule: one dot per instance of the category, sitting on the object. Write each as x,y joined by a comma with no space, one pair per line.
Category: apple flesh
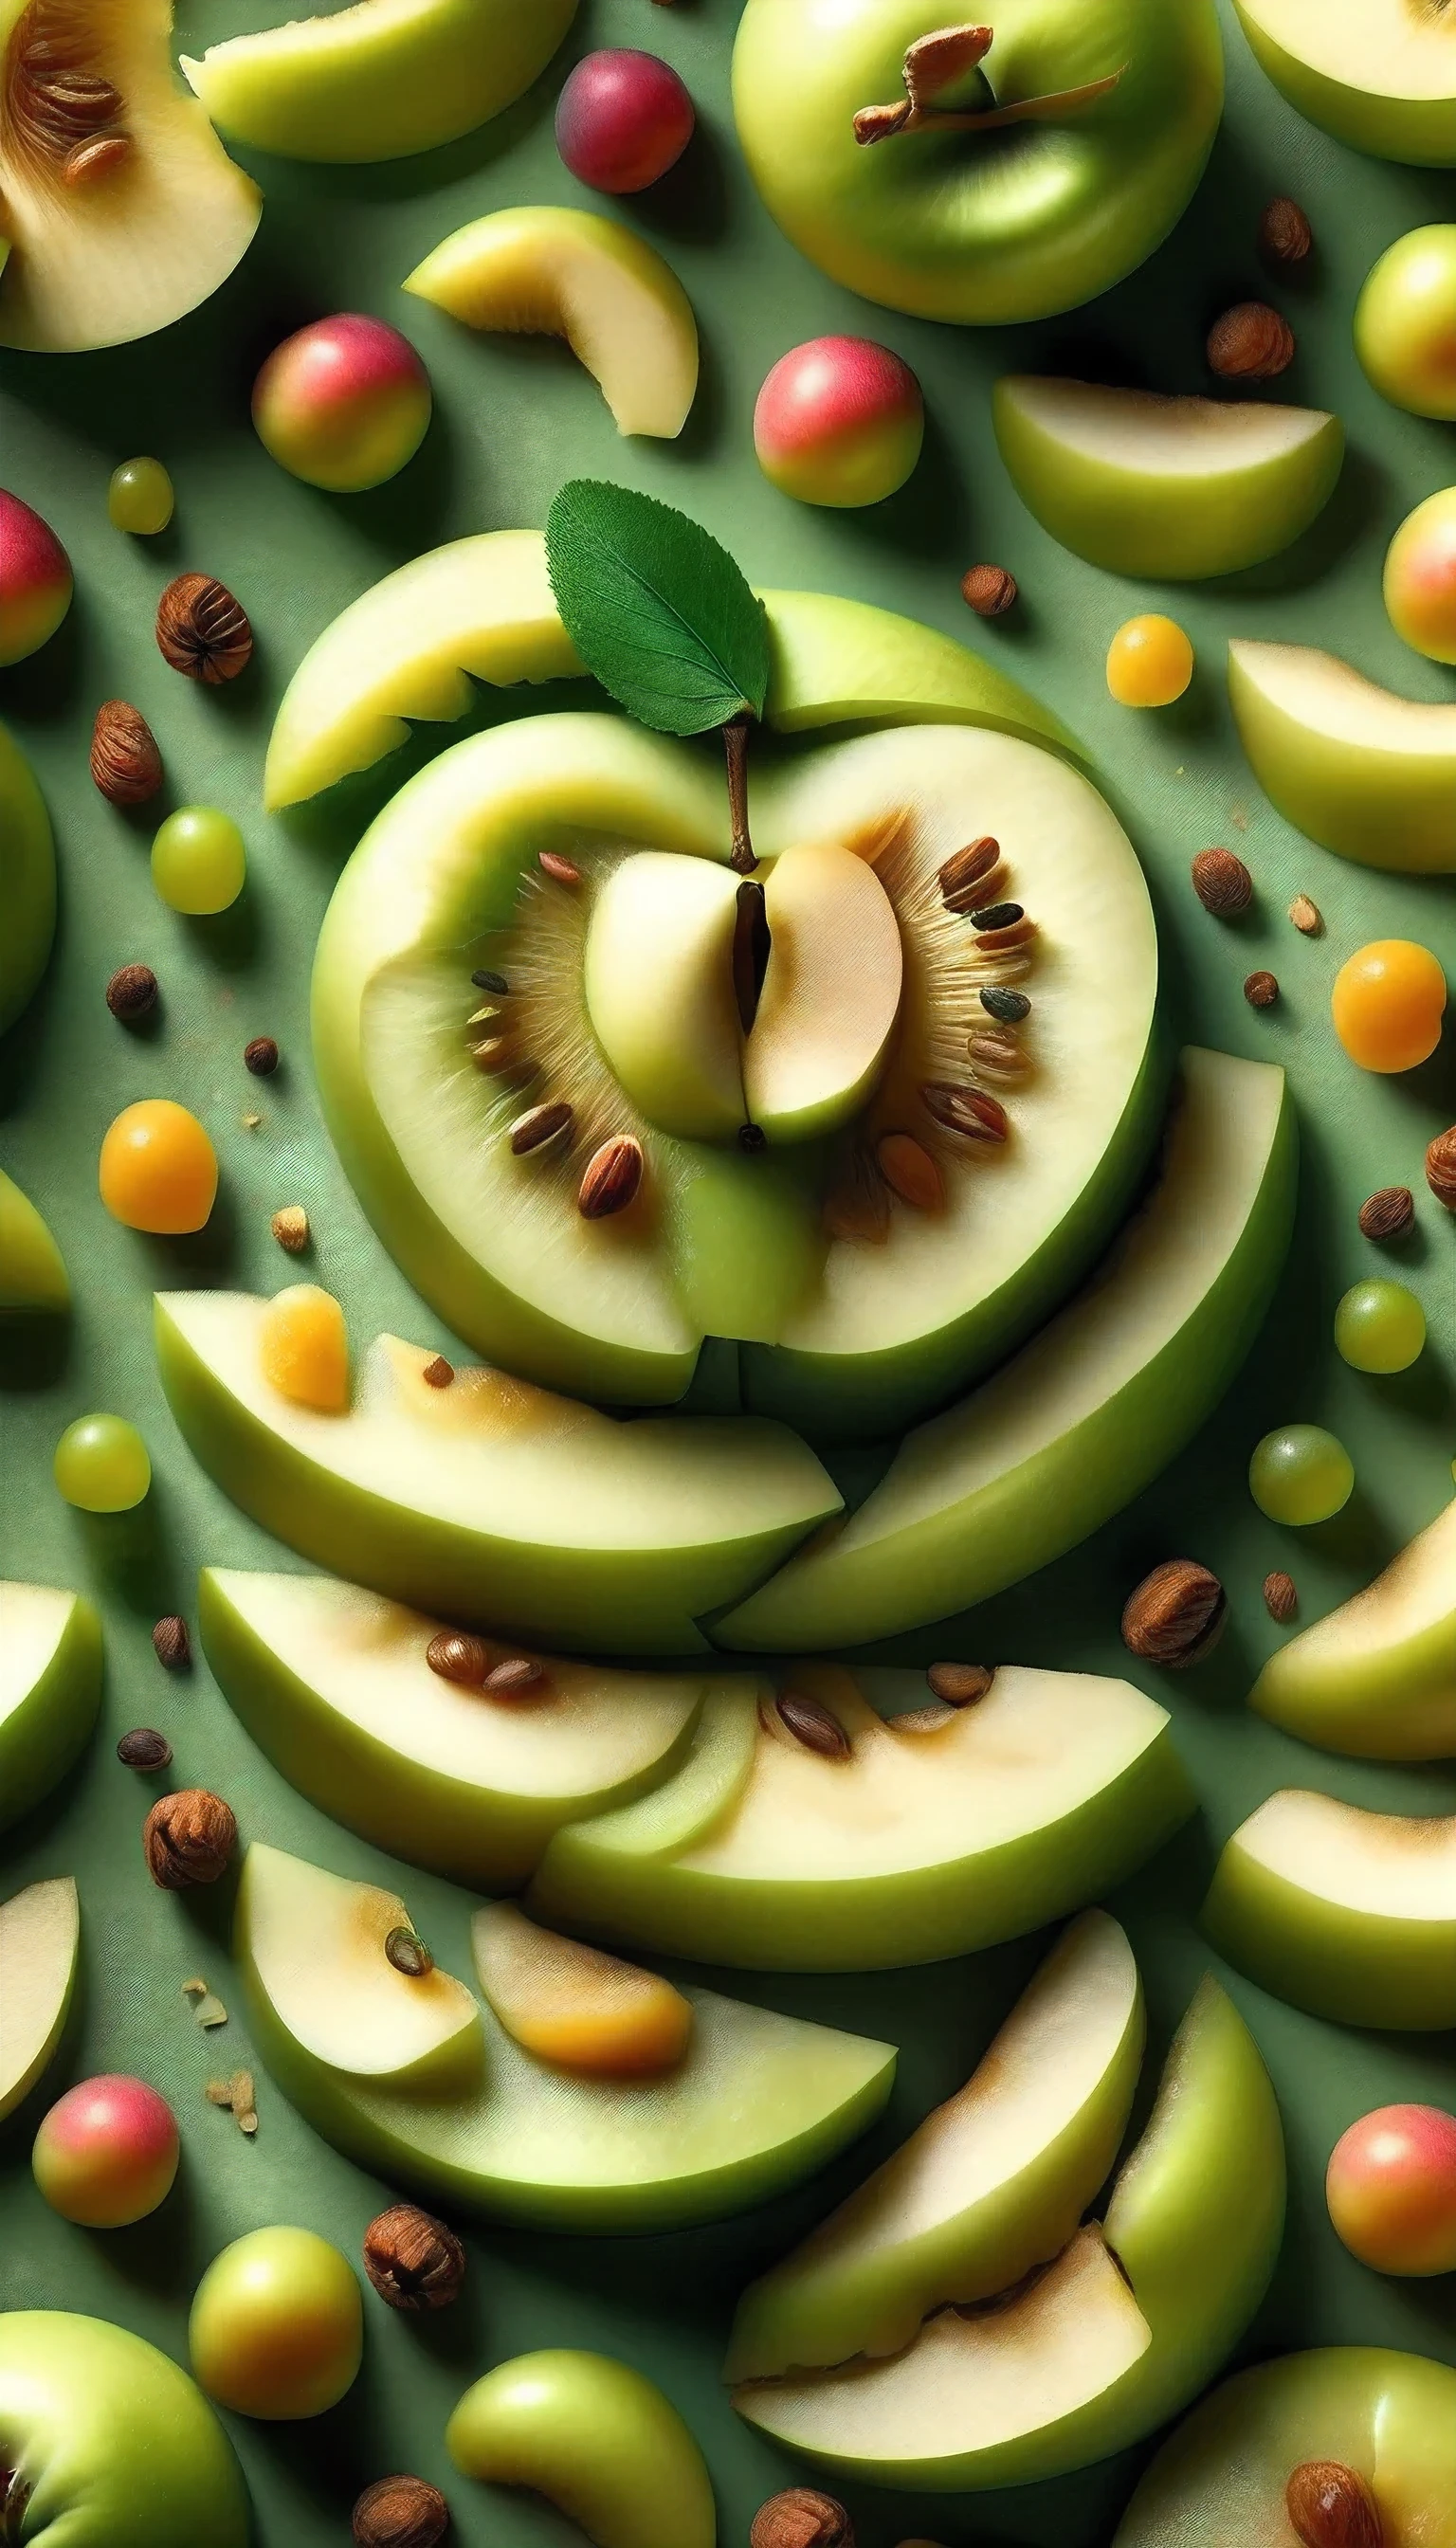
1376,1677
35,582
1364,773
277,2327
108,2443
39,1946
1406,322
32,1275
343,404
1390,2189
1377,74
388,2013
839,421
574,2007
49,1690
27,882
594,2437
107,2153
623,119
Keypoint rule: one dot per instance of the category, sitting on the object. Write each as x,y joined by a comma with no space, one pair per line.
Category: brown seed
188,1838
125,763
90,160
1389,1213
1306,916
561,870
997,915
172,1644
456,1657
518,1672
959,1685
1440,1168
1284,232
202,630
910,1172
409,1955
290,1227
399,2513
1222,883
1280,1599
612,1179
1331,2505
438,1374
413,2262
64,104
131,992
814,1725
998,1053
143,1748
995,941
539,1127
801,2517
989,590
1261,990
967,867
493,1053
1250,342
966,1111
1176,1615
260,1056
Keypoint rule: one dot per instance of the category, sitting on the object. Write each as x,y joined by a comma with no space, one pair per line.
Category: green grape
198,860
140,498
1380,1326
1301,1473
101,1464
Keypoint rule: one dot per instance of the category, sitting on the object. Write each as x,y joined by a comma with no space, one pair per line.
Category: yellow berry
158,1169
1387,1003
306,1348
1149,661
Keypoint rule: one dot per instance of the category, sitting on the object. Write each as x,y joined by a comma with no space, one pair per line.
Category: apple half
1378,74
1168,488
26,877
107,2444
1376,1677
756,2104
32,1275
49,1690
39,1948
1115,2334
1362,772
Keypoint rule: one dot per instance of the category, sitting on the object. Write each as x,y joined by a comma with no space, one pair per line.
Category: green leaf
656,608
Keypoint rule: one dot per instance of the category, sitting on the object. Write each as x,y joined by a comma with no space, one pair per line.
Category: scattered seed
172,1644
960,1685
518,1672
1250,342
196,1988
612,1179
250,1122
997,915
438,1374
814,1725
967,867
1261,990
219,2092
966,1111
1306,916
209,2011
539,1127
1284,232
485,980
1017,933
910,1172
143,1748
1176,1615
1222,883
132,993
459,1658
409,1955
493,1055
261,1056
1009,1006
1388,1214
998,1053
1281,1600
988,590
290,1227
1440,1167
561,870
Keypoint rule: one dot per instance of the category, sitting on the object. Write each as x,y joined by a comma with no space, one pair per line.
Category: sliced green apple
491,1498
32,1273
333,1683
27,879
1364,773
669,922
1349,1914
831,994
384,2011
1087,1414
572,2006
39,1945
1170,489
1376,73
49,1690
993,2184
1127,2325
1376,1677
756,2103
595,2439
925,1836
380,79
544,270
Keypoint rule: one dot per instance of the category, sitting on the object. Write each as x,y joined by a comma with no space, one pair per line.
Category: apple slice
914,1837
993,2183
574,2007
49,1690
1364,773
1081,1421
657,975
351,1981
113,2446
27,874
1376,1677
32,1273
1168,488
756,2103
544,270
831,994
40,1947
491,1498
1349,1914
1376,73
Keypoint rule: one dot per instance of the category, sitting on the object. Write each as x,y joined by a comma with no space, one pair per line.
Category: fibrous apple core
59,111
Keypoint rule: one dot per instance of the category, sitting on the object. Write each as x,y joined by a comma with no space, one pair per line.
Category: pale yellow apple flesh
1364,773
658,979
337,1987
573,2006
40,1942
831,995
1376,1677
1378,74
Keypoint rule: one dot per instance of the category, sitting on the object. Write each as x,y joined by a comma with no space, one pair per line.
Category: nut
1280,1599
988,589
143,1748
290,1227
611,1178
260,1056
1440,1168
1284,232
966,1111
800,2517
1250,342
202,630
131,992
960,1685
413,2262
1306,916
1331,2506
125,761
909,1171
1176,1615
1389,1213
1261,990
188,1838
172,1644
457,1656
399,2513
438,1374
1222,883
814,1725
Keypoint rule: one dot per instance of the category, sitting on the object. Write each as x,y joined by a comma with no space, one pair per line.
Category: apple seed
409,1955
1331,2506
814,1725
1176,1615
959,1685
459,1658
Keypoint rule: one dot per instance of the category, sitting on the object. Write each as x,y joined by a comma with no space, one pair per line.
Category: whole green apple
106,2444
1406,322
276,2326
596,2439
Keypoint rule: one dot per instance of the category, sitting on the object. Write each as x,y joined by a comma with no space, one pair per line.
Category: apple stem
880,122
735,745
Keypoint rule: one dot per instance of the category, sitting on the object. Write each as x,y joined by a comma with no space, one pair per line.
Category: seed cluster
67,114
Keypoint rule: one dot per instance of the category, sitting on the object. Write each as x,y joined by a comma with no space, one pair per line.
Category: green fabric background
512,419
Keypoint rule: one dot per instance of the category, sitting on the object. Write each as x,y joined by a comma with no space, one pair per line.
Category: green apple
1405,330
49,1690
1349,1914
1222,2478
1081,1421
39,1945
758,2102
925,1835
1380,74
1376,1677
276,2327
1130,2322
491,1498
333,1683
543,270
595,2439
27,873
106,2444
1167,488
376,81
993,2184
1114,111
1364,773
32,1273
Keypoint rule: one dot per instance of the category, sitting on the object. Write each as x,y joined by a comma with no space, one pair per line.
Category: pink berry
343,404
107,2153
1391,2188
35,580
621,121
839,421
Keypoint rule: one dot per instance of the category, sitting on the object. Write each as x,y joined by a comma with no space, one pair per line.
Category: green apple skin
27,882
1344,92
276,2328
117,2447
596,2439
834,662
375,82
39,1952
1167,490
942,225
1220,2477
32,1275
1404,328
49,1690
1362,772
1377,1679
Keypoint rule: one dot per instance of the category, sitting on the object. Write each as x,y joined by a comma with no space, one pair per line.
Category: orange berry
1149,661
304,1347
158,1169
1388,1002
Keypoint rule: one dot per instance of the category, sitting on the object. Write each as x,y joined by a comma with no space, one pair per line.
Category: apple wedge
1132,2319
49,1690
756,2103
1349,1914
32,1273
993,2184
350,1983
1364,773
1087,1414
1377,74
26,877
911,1838
39,1946
1376,1677
544,270
491,1498
1166,489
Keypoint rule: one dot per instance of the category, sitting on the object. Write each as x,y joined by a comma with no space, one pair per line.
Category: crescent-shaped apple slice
49,1690
32,1275
1362,772
40,1943
1376,1677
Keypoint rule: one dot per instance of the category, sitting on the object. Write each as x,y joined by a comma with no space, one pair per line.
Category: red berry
621,121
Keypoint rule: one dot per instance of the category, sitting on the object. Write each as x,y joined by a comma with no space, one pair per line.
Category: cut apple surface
49,1690
902,1841
546,270
1376,1677
755,2102
1349,1914
1378,74
27,874
574,2007
40,1943
491,1498
32,1273
387,2012
1074,1425
1172,489
1364,773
